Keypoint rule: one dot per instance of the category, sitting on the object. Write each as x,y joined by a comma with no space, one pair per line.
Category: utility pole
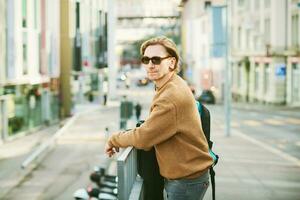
227,89
65,58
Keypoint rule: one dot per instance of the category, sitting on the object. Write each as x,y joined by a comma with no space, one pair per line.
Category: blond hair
168,44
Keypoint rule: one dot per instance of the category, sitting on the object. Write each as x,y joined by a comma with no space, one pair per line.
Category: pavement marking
274,122
252,123
293,121
251,161
267,147
254,182
235,124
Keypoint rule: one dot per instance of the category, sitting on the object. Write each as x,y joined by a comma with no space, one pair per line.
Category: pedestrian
105,91
173,126
138,110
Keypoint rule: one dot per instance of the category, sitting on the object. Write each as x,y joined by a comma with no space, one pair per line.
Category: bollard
126,112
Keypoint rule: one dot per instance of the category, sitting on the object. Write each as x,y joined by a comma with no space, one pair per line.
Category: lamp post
227,89
112,68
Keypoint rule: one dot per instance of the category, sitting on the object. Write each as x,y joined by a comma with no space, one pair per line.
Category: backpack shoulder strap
205,121
213,184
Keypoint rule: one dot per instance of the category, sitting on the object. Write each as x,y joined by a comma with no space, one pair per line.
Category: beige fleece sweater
174,129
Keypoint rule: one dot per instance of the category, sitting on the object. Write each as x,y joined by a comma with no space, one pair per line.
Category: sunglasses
156,60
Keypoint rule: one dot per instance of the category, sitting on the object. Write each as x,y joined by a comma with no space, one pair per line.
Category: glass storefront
24,108
296,82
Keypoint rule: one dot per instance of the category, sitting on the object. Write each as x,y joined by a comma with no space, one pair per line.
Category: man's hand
110,150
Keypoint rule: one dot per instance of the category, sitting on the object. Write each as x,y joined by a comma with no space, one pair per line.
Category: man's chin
152,78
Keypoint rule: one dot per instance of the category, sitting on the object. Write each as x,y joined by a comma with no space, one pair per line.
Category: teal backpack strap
199,107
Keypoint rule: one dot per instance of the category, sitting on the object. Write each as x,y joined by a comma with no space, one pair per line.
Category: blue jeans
187,189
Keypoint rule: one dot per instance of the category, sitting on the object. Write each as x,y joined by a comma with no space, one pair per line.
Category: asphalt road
280,130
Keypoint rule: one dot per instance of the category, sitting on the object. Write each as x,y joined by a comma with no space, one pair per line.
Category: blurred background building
139,20
52,53
264,48
204,43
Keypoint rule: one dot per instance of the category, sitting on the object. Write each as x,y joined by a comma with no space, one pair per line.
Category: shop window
296,82
256,84
266,78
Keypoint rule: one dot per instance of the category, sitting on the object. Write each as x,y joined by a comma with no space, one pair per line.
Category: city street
243,171
74,72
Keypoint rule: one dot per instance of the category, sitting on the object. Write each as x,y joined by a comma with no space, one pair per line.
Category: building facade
46,46
32,64
265,51
204,43
263,48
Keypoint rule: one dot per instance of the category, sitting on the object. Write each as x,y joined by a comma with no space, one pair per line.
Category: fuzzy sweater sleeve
160,126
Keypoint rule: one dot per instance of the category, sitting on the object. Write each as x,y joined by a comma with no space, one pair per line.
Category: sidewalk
13,153
251,170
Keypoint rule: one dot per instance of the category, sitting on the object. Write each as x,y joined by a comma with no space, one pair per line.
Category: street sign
280,70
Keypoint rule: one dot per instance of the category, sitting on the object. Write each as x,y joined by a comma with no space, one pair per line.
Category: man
173,127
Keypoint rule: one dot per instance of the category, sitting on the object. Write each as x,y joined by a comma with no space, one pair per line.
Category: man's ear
172,64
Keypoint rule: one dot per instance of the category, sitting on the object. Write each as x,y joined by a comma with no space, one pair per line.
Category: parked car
143,82
207,96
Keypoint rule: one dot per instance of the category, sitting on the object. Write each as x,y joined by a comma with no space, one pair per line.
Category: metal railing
127,174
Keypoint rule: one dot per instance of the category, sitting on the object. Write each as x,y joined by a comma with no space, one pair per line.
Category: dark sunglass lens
156,60
145,60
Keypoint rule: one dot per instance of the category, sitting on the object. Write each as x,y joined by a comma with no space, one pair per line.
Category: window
239,37
267,3
241,3
25,52
207,4
24,38
24,13
257,4
267,31
248,38
295,30
35,14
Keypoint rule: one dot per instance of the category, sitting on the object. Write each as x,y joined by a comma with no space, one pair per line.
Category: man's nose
151,65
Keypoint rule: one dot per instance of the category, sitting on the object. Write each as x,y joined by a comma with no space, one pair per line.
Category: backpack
205,121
